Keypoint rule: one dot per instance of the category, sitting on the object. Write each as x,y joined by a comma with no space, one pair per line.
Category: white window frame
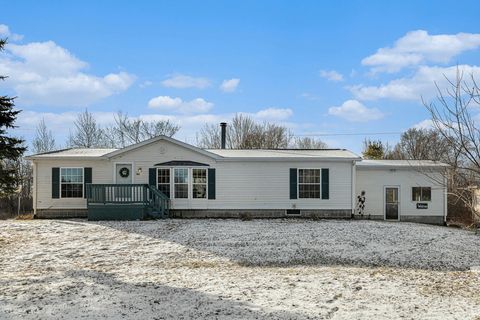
298,183
170,182
190,182
421,192
206,182
60,182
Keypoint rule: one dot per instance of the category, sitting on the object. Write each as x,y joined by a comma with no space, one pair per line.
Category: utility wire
348,134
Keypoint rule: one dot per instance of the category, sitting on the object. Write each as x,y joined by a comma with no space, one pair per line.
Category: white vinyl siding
239,184
266,185
373,182
102,172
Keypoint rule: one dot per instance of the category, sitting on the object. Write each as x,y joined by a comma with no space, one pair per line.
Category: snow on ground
228,269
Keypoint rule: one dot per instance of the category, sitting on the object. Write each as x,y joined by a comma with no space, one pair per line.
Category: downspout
445,200
354,181
34,188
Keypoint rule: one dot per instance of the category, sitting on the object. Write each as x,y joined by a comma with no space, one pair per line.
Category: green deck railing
141,200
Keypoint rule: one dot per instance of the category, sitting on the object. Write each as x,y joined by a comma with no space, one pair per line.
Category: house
163,176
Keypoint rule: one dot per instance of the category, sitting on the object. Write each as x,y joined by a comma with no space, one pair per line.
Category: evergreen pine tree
10,148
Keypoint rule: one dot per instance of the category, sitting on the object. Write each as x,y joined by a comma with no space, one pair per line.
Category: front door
124,175
391,203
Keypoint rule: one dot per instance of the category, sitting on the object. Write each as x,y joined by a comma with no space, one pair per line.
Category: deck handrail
159,201
132,194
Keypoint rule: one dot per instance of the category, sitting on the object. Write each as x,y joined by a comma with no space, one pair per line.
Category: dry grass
24,216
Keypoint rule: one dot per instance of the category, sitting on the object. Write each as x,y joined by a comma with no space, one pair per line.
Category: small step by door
123,176
391,203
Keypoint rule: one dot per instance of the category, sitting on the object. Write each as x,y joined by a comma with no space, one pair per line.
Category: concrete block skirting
424,219
247,213
367,217
418,219
60,213
259,213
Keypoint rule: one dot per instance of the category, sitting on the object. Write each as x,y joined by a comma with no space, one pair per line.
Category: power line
348,134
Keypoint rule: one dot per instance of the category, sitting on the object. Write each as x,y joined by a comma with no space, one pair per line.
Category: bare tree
245,133
209,137
452,117
44,140
155,128
309,143
21,200
126,131
87,133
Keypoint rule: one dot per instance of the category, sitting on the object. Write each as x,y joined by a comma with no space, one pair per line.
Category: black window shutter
211,183
55,183
293,183
152,177
87,178
325,184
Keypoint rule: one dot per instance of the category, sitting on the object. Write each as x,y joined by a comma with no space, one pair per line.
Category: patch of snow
475,268
229,269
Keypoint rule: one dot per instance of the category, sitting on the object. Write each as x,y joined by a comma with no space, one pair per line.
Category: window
199,183
181,183
71,182
309,183
421,194
163,181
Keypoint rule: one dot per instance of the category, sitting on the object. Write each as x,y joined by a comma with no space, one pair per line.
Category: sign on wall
422,205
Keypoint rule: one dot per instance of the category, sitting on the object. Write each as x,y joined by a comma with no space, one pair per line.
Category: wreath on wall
124,172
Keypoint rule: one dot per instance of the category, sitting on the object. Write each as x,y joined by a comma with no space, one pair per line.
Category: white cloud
230,85
331,75
5,32
177,105
43,73
181,81
418,47
421,84
275,114
355,111
425,124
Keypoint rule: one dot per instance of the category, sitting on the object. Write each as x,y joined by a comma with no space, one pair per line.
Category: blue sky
321,68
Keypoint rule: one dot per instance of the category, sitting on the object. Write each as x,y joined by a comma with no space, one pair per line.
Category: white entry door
123,175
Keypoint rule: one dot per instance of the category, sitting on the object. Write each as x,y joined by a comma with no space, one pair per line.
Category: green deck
125,202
